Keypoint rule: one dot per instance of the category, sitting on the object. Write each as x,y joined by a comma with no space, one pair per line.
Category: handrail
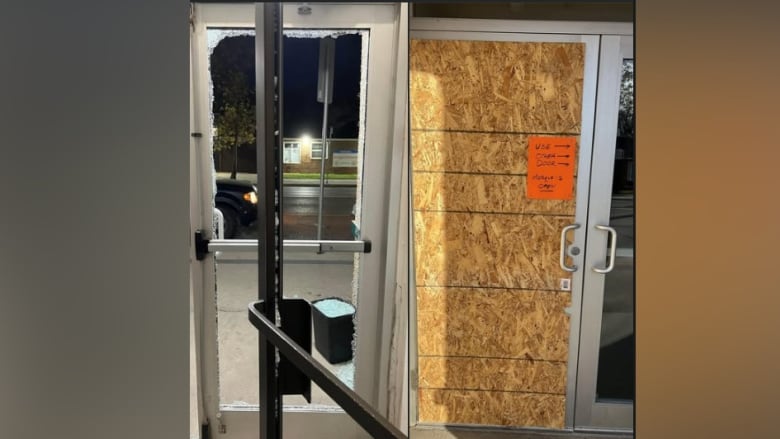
357,408
205,246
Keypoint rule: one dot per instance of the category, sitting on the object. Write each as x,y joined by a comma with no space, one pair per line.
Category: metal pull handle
562,261
612,250
205,246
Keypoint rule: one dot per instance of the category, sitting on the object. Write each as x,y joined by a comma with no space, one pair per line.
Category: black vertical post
268,94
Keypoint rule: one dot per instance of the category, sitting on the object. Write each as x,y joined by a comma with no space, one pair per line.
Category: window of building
292,153
316,151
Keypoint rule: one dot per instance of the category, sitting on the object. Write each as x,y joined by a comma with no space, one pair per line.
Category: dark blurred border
707,219
94,217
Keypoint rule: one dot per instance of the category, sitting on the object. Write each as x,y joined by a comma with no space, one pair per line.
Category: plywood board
488,117
496,86
481,193
499,71
485,153
488,250
491,408
486,322
469,152
497,374
492,328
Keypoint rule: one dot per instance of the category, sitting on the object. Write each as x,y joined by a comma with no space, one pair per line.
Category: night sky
302,113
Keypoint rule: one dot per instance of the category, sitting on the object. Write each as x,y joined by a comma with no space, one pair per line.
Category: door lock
568,250
573,251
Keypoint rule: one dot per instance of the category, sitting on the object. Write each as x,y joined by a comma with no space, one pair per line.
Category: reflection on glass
616,355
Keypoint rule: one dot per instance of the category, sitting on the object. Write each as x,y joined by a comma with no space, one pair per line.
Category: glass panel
321,196
616,354
305,215
232,91
308,276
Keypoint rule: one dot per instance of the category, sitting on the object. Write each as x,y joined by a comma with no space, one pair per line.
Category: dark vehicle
237,200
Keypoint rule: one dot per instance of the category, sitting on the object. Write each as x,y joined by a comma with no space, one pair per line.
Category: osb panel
488,250
481,193
491,408
469,152
496,86
485,322
492,374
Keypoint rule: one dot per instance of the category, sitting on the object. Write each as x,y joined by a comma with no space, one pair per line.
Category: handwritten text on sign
551,167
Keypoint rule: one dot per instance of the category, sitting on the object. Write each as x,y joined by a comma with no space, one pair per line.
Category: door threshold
429,431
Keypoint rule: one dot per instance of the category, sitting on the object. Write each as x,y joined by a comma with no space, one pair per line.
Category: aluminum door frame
528,31
592,415
381,155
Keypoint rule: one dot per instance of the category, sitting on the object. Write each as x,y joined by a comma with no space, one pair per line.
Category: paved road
300,207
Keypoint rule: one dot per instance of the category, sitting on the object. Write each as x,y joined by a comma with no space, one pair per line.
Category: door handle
562,261
612,250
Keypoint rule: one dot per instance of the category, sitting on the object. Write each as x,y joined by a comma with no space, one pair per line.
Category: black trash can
333,328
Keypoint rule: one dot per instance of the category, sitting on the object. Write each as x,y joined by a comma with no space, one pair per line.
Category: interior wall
492,331
94,305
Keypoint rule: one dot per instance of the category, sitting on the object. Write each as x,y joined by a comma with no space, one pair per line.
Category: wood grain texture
491,408
481,193
482,322
488,153
469,152
496,86
492,374
488,250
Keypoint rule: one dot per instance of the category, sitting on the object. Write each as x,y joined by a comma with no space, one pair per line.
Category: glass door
331,140
605,379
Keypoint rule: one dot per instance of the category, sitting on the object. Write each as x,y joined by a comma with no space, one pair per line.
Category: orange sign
551,167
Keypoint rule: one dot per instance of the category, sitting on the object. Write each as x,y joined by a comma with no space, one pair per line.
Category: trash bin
333,328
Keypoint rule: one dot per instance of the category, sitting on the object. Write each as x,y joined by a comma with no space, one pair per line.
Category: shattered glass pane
305,275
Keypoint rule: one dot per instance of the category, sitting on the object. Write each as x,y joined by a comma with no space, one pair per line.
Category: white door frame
532,31
384,142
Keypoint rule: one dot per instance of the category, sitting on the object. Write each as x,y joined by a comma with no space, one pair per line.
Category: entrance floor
431,432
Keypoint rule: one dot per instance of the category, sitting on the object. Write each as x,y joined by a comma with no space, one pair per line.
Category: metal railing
275,375
357,408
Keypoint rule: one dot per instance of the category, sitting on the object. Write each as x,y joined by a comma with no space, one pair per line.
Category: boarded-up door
492,330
